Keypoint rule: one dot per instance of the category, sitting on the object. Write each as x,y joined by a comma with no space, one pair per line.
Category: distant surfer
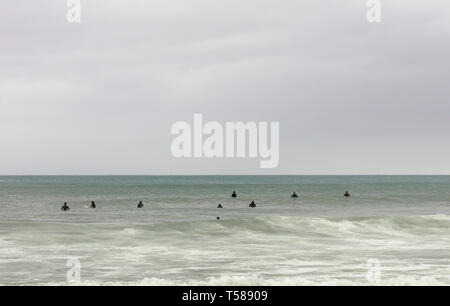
294,195
140,205
218,218
65,207
252,204
347,194
234,195
220,206
93,206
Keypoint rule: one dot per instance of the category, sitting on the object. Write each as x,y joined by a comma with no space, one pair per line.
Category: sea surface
394,230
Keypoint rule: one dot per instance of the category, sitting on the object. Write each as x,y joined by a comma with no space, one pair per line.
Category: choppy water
320,238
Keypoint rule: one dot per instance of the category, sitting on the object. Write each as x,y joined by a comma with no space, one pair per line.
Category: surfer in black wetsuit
93,206
252,204
234,195
347,194
294,195
220,206
65,207
140,205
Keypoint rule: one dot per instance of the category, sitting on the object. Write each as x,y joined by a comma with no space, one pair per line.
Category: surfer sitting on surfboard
65,207
234,195
252,204
140,205
294,195
93,206
347,194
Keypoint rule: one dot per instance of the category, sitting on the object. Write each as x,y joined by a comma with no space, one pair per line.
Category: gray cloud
99,97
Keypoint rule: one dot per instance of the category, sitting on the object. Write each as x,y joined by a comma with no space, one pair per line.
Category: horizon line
106,175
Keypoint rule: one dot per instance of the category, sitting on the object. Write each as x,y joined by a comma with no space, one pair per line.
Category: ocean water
400,223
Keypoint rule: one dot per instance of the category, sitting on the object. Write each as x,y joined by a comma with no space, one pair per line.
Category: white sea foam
254,251
258,281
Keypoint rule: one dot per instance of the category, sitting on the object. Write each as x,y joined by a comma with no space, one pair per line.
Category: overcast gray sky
100,97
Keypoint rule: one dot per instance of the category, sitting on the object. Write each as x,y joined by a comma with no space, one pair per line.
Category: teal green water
319,238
